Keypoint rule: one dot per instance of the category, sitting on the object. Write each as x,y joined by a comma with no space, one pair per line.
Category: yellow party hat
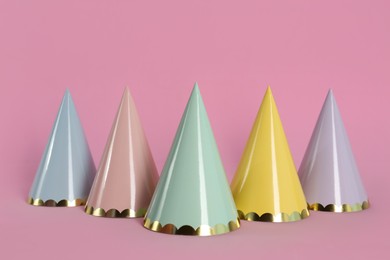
266,186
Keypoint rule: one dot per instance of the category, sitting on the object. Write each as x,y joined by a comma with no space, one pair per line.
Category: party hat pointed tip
268,93
330,94
195,89
126,96
67,94
126,91
195,93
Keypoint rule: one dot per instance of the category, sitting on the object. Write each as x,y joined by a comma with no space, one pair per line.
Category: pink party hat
127,175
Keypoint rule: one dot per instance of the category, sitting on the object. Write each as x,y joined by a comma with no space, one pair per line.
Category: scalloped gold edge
202,230
53,203
268,217
340,208
114,213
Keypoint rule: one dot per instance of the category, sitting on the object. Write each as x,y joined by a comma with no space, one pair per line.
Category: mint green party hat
193,195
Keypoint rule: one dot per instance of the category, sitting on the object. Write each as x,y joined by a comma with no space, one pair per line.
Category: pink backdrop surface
233,49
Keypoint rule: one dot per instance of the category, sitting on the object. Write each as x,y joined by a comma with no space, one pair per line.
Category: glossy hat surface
193,195
329,174
266,186
66,171
127,175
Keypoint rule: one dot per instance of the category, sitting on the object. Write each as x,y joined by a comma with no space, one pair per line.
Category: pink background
233,49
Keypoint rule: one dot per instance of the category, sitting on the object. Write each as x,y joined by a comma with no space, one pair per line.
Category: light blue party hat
66,171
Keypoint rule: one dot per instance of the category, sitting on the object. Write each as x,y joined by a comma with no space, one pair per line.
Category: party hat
266,185
329,175
66,171
193,195
127,175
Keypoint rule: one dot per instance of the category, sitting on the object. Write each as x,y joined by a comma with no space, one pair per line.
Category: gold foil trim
340,208
202,230
114,213
53,203
268,217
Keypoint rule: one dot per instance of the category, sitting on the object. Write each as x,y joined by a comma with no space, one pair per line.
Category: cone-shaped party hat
266,185
66,171
127,175
193,195
328,172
